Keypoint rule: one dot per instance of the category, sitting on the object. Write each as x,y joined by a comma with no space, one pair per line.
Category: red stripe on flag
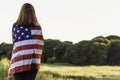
24,68
39,37
25,47
25,57
36,28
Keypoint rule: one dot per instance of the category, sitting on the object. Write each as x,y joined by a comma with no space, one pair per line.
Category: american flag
27,49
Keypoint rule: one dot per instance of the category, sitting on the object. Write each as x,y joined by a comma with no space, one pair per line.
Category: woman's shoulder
14,27
36,26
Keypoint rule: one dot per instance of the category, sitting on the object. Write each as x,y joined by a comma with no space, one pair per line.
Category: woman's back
27,45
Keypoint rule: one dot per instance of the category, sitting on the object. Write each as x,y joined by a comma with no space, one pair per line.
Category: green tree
114,53
113,37
61,49
5,50
48,51
74,54
88,52
98,50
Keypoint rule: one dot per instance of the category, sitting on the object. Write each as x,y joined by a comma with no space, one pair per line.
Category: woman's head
27,15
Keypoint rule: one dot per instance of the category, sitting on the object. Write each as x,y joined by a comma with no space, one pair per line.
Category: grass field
70,72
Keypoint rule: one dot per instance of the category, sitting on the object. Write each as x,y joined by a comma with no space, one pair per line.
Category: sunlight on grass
86,71
62,71
5,62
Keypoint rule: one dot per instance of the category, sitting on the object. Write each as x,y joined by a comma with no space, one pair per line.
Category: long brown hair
27,16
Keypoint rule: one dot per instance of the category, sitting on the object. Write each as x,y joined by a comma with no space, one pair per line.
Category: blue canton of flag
21,33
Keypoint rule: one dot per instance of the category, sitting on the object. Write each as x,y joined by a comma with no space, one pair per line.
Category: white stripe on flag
25,52
37,61
36,32
28,42
25,62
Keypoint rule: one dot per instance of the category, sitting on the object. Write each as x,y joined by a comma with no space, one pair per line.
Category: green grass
69,72
4,63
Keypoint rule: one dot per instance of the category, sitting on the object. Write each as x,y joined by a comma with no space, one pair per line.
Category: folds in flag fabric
27,49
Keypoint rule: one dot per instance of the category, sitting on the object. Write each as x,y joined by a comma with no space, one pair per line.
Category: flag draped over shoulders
27,49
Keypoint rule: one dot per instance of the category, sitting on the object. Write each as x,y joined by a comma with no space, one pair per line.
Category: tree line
97,51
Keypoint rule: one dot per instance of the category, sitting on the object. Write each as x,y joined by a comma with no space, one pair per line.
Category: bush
4,63
51,60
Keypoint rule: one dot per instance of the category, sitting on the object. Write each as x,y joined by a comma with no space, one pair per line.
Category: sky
65,20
